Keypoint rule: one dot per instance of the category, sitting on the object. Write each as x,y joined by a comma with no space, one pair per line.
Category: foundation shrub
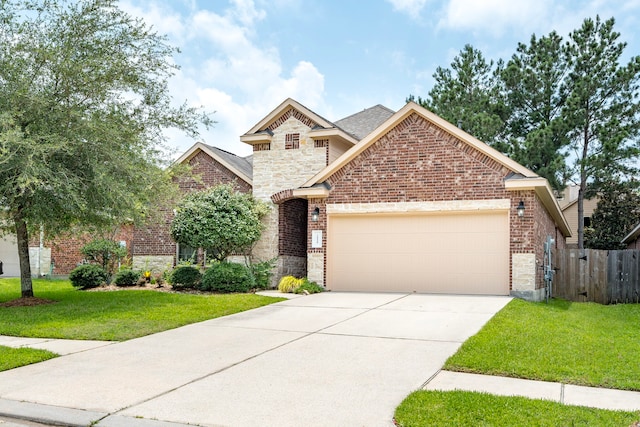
185,277
308,286
88,276
126,277
262,273
227,277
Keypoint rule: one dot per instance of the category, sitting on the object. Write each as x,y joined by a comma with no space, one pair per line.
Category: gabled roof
240,166
259,133
363,123
521,177
633,235
396,119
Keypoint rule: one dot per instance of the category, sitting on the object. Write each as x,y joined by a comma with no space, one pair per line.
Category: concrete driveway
326,359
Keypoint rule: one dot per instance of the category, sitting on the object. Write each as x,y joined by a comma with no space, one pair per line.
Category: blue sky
242,58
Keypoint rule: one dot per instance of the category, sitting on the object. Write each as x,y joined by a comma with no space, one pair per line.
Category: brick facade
417,161
292,233
65,249
154,239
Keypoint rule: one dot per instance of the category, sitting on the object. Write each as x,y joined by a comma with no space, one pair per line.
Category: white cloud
411,7
229,69
494,16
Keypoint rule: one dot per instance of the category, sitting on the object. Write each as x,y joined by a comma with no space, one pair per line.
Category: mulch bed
27,302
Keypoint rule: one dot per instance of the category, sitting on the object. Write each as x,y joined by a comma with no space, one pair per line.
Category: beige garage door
462,253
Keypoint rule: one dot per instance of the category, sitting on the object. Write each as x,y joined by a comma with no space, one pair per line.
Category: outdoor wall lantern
315,215
520,209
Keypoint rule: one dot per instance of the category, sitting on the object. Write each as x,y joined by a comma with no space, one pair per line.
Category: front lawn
574,343
111,316
14,357
462,408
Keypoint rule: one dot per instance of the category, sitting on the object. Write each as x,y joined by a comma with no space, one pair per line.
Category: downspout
40,248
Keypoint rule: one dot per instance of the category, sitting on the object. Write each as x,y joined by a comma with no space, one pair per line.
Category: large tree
83,102
602,111
220,220
469,95
617,212
534,79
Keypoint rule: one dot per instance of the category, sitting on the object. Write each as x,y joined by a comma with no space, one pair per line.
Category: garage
459,252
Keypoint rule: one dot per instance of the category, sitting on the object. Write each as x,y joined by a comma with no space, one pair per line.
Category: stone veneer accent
523,272
277,170
153,263
315,267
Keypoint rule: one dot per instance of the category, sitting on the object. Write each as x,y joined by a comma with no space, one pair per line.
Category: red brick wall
155,238
292,236
65,249
417,161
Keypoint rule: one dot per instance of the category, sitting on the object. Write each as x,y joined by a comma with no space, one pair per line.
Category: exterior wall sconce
520,209
315,215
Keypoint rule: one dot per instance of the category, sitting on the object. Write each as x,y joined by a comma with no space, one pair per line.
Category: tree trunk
22,235
581,218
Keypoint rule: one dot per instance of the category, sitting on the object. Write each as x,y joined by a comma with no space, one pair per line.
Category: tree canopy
617,212
220,220
83,104
468,95
568,110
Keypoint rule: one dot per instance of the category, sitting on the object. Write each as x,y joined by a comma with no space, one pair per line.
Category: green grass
460,408
112,316
14,357
575,343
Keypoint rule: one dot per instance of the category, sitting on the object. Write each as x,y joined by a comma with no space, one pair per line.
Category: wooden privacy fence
605,277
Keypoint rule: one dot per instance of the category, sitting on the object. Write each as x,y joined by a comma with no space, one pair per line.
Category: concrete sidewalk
568,394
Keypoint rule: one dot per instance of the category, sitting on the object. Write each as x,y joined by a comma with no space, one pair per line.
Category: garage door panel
444,253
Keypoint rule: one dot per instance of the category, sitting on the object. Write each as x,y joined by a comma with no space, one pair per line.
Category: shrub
289,284
226,277
185,277
262,272
126,277
88,276
308,286
104,252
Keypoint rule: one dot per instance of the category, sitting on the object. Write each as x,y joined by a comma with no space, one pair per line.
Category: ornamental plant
220,220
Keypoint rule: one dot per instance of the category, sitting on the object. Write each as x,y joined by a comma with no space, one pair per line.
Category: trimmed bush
126,277
88,276
227,277
289,284
308,286
185,277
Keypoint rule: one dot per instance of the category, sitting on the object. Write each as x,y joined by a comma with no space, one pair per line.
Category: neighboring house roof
520,179
366,121
241,166
635,233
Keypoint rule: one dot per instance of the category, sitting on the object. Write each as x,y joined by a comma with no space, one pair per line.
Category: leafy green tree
617,212
602,110
104,252
534,82
83,103
469,95
220,220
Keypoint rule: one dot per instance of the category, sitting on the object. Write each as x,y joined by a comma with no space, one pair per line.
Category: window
587,221
187,253
292,141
